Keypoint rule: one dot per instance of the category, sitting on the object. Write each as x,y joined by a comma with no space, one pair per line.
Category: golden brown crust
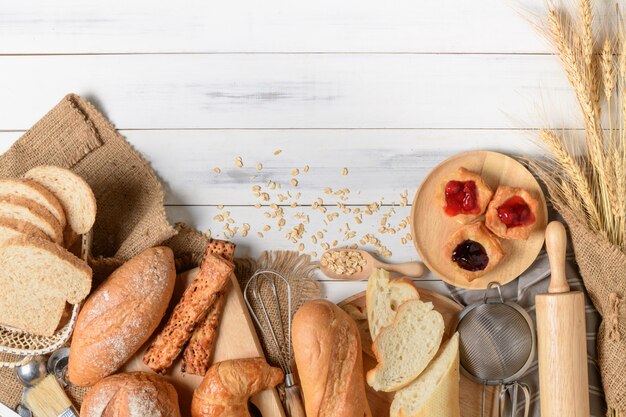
327,349
227,386
135,394
483,193
54,232
493,222
120,315
212,278
478,233
197,355
56,209
22,227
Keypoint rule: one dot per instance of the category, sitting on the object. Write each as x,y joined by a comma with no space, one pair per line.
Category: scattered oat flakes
238,162
277,151
294,182
305,169
344,171
259,166
301,247
217,170
295,172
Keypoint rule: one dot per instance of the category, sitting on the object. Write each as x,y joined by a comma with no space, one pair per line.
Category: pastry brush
47,399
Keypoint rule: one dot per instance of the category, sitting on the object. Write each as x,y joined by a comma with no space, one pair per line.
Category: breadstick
213,276
198,353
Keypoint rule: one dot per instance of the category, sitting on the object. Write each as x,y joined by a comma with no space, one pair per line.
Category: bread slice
37,277
33,191
72,191
29,211
10,228
404,348
383,298
435,392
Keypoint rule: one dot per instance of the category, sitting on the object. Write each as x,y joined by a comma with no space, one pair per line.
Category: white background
384,89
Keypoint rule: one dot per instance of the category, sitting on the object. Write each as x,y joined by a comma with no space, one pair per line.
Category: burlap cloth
131,216
603,268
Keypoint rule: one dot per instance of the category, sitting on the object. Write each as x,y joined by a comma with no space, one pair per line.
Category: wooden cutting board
470,392
237,339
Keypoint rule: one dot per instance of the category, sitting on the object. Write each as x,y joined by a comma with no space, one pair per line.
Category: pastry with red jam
464,196
473,251
512,214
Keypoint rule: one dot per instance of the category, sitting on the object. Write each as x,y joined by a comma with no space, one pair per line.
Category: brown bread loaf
327,349
134,394
120,315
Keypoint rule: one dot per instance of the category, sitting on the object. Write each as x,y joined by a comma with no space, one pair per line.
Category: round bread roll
135,394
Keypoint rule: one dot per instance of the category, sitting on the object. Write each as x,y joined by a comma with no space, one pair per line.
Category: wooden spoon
409,269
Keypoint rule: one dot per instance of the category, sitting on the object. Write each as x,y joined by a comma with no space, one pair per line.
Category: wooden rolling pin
562,342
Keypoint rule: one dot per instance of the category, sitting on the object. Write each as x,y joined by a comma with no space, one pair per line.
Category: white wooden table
384,89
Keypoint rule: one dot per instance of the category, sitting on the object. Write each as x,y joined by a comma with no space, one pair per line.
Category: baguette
197,355
120,315
327,350
213,276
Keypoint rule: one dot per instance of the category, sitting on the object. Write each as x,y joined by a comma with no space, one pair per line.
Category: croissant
228,385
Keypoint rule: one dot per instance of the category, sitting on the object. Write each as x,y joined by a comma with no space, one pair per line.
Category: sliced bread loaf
435,392
37,277
383,298
72,191
10,228
29,211
33,191
404,348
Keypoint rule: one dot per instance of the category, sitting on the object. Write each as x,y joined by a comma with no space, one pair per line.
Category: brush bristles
590,181
47,399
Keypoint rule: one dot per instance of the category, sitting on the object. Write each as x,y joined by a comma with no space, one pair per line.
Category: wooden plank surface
433,26
293,90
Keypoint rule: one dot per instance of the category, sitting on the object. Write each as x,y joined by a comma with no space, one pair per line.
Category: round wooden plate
431,228
470,392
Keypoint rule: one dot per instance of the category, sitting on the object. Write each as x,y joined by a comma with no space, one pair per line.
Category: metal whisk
263,293
497,346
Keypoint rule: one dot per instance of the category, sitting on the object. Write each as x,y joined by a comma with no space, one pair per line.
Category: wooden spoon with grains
356,264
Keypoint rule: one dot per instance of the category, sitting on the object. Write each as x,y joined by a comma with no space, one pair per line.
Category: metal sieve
497,346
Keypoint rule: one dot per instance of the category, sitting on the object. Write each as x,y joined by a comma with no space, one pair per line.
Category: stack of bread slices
41,215
407,336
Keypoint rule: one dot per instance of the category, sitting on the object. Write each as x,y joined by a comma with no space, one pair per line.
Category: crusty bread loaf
37,277
404,348
383,298
29,211
435,392
227,386
120,315
327,350
72,191
213,276
10,228
33,191
135,394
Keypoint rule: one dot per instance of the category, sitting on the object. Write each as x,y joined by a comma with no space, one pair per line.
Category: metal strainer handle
515,387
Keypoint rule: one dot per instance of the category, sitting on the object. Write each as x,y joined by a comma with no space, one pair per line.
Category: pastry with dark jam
512,214
464,196
473,251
